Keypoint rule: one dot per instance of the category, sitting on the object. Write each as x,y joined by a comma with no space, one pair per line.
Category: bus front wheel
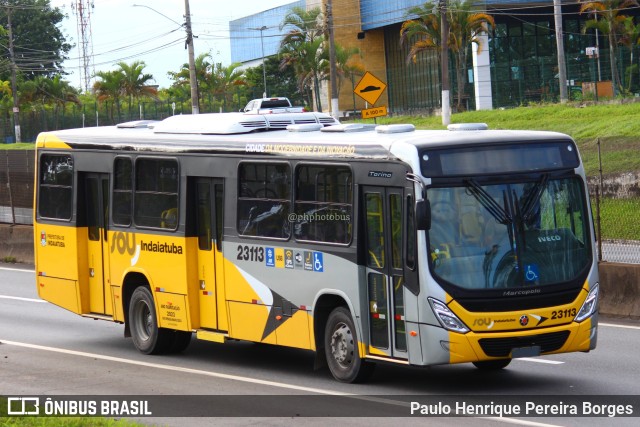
492,365
341,349
147,337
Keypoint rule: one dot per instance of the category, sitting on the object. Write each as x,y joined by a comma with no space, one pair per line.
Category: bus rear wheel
341,349
492,365
143,321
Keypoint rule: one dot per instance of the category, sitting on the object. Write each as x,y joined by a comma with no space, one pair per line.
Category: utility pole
14,83
195,108
333,72
562,67
444,63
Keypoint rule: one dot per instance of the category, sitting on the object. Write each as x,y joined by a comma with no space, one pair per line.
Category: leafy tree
466,25
609,20
45,91
279,82
303,48
39,45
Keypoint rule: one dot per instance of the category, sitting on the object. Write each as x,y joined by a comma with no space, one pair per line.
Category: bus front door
383,209
210,195
96,197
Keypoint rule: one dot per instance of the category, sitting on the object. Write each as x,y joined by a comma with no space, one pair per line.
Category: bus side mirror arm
423,207
423,214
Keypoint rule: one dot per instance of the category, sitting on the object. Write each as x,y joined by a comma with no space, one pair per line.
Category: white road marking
17,269
21,299
613,325
248,380
537,360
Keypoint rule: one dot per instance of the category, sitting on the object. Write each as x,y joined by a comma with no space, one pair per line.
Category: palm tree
303,48
466,25
423,33
608,20
225,80
110,87
310,63
346,67
135,83
203,76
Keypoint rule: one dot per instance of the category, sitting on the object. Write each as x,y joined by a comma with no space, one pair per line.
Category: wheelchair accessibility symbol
318,263
531,272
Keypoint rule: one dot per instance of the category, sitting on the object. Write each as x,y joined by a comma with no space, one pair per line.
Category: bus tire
341,349
492,365
147,337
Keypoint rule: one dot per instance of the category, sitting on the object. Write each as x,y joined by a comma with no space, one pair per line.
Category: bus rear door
96,189
209,193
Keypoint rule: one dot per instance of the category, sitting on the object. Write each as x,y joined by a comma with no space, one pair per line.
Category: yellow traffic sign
370,88
370,113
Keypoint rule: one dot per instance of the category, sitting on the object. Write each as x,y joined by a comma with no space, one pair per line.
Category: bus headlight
589,306
447,318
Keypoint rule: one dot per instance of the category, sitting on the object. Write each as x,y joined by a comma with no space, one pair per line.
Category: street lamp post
264,70
193,82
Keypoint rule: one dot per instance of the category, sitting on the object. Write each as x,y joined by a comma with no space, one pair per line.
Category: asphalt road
45,350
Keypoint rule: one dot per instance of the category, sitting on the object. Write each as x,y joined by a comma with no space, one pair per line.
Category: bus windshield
509,235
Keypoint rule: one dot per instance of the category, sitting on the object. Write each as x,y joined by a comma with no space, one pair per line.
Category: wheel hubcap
145,322
342,346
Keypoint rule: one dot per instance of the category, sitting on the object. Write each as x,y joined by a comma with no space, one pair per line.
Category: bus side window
264,200
156,194
56,186
122,191
323,204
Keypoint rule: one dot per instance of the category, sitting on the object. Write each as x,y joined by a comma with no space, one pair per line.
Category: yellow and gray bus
365,244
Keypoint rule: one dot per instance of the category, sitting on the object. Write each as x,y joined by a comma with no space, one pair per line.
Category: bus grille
501,347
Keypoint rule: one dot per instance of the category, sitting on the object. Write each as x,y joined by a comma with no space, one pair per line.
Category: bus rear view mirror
423,214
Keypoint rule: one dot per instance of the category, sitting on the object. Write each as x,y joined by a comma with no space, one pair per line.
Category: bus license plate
525,352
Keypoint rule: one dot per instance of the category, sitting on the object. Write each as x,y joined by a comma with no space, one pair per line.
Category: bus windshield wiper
485,199
532,199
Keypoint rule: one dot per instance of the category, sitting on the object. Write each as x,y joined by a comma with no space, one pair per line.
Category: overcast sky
122,32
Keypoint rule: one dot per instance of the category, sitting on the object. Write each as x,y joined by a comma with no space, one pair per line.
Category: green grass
18,146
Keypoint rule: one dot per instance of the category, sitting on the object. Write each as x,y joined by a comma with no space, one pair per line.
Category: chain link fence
17,169
613,169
